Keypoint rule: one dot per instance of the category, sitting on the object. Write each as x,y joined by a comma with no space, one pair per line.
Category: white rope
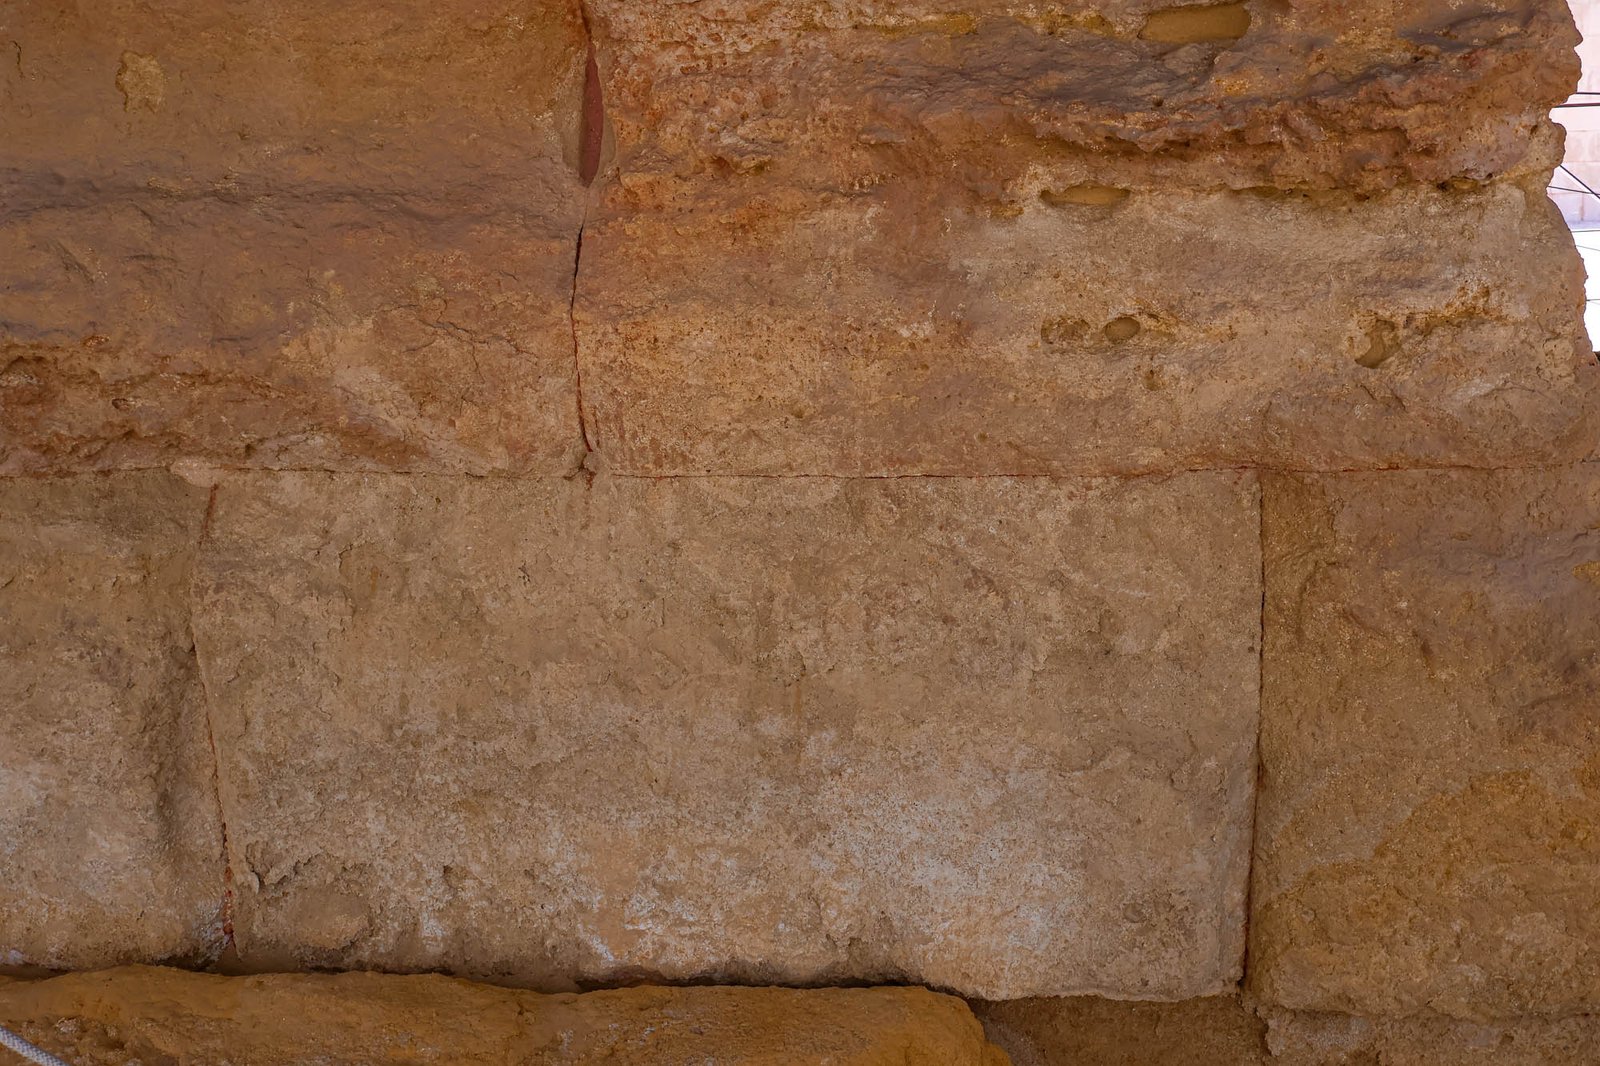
28,1051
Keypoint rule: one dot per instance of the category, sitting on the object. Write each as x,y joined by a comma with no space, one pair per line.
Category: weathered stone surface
1305,1039
1429,832
1222,1031
994,735
1320,94
109,838
838,241
282,335
403,100
140,1014
1215,1031
864,336
339,236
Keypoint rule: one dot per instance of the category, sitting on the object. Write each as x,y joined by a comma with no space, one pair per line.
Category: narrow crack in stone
592,123
225,910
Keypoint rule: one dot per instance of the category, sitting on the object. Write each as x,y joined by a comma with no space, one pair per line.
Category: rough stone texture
1222,1031
139,1014
1429,833
109,840
959,240
995,735
1315,94
306,235
1087,1031
1341,1040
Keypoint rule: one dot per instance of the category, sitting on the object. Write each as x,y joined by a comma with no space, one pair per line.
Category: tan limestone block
476,104
109,834
735,323
1223,1031
1429,833
1311,1039
286,335
994,735
340,236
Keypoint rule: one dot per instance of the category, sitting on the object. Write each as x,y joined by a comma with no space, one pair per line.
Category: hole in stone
1196,24
1122,329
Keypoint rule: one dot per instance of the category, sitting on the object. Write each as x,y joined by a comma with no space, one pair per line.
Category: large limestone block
109,835
476,103
147,1015
944,241
1223,1031
1429,833
888,334
299,234
995,735
1364,94
285,335
1309,1039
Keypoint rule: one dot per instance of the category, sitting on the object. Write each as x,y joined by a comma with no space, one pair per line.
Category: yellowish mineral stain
1084,196
142,82
1122,329
1196,24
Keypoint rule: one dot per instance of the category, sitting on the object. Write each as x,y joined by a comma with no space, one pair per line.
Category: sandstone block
1223,1031
1310,1039
994,735
475,105
152,1015
947,241
1429,833
337,236
109,838
1214,1031
282,335
1365,95
864,336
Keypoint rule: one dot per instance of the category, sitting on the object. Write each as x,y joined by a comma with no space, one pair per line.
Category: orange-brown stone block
994,735
109,838
146,1015
337,236
947,240
1429,821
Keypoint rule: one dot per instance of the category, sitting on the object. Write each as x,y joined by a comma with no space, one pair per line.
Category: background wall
1583,128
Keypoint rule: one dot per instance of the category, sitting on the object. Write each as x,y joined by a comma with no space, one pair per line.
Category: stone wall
1090,499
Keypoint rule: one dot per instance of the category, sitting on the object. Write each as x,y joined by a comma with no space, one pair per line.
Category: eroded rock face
152,1015
948,239
1306,1039
1430,809
1224,1031
338,237
108,818
287,335
887,333
992,735
480,321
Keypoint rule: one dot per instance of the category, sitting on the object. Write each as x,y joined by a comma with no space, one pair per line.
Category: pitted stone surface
887,333
145,1015
994,735
328,236
1429,832
939,239
286,336
109,839
1223,1031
